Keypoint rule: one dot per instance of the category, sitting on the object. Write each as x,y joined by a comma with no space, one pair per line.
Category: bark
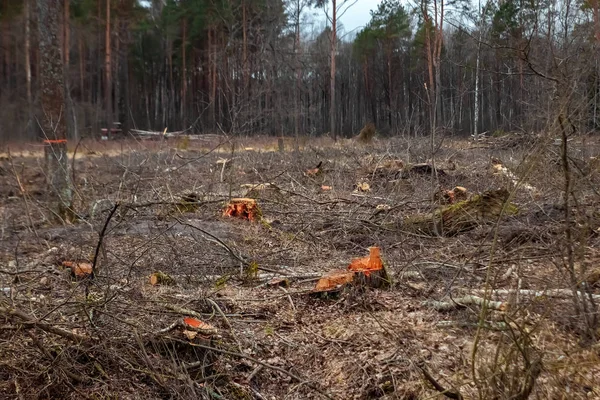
108,72
332,72
183,75
53,105
66,33
30,116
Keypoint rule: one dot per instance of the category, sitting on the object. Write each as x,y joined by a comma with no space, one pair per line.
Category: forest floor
118,336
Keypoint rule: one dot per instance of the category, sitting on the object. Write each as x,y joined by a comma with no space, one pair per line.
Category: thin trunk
183,74
476,107
390,92
298,78
81,67
169,107
108,72
30,124
332,75
245,46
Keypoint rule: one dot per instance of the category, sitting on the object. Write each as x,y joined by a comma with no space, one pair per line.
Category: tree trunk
81,68
108,73
30,118
53,105
245,48
183,75
66,33
332,76
298,78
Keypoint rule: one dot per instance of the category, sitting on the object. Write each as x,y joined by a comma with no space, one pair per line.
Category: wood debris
458,302
452,196
78,269
279,282
362,187
422,169
194,324
312,172
160,278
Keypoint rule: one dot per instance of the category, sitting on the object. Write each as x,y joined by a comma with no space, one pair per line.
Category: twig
216,307
24,194
183,311
257,361
255,372
449,393
289,297
218,241
101,238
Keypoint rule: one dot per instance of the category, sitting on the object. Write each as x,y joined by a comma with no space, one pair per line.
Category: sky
358,15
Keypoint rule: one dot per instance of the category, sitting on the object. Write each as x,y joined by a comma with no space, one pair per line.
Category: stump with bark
367,133
462,216
362,272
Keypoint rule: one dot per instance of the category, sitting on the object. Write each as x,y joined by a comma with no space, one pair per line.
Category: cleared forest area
246,199
155,293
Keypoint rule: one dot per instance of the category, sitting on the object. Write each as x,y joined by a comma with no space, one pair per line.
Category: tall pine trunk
108,73
332,72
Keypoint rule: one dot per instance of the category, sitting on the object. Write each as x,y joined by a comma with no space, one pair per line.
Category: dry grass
365,344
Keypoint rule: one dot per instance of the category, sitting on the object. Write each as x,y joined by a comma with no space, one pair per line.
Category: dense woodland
264,66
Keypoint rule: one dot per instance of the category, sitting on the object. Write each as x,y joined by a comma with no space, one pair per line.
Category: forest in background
247,67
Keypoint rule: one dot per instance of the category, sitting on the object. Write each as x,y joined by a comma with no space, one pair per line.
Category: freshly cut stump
367,271
244,208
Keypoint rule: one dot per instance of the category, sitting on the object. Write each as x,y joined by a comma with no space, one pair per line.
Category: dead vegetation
183,301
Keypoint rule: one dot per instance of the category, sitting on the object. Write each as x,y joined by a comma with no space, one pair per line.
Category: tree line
271,67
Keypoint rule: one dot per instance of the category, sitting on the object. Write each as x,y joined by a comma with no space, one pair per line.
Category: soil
274,342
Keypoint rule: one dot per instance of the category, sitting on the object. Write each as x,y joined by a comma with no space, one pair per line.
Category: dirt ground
118,336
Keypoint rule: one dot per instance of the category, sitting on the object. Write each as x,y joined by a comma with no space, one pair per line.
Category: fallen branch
562,293
465,301
28,320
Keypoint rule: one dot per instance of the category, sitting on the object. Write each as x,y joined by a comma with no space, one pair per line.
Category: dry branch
28,320
465,301
561,293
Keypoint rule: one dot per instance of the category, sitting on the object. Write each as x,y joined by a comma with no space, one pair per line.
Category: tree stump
362,272
244,208
462,216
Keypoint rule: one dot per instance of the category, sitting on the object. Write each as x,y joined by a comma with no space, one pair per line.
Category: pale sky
358,15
